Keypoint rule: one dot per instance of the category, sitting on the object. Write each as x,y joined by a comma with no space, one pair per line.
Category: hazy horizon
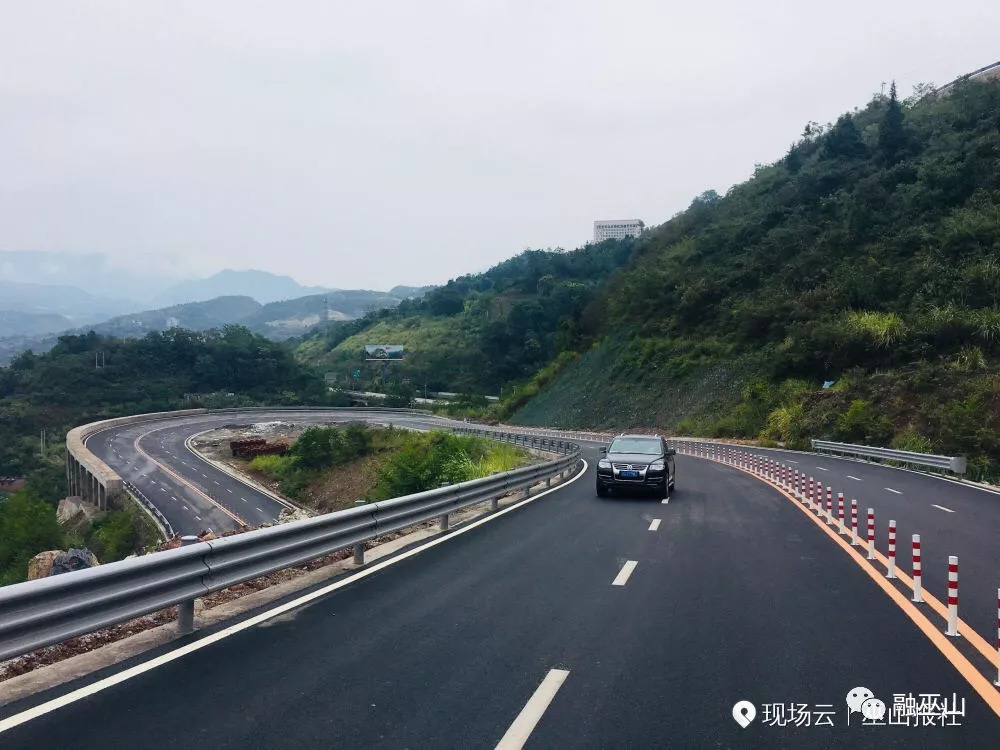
372,146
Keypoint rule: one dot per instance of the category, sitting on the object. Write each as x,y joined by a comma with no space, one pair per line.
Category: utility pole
42,446
99,360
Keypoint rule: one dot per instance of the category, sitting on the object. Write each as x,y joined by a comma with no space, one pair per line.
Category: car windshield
636,445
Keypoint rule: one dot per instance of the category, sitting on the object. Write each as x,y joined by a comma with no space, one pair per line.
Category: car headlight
604,464
657,465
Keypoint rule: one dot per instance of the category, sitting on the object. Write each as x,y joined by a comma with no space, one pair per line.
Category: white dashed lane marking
892,490
822,469
854,478
941,507
654,524
623,575
517,734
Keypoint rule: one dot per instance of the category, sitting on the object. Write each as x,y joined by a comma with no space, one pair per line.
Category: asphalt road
951,518
190,492
736,595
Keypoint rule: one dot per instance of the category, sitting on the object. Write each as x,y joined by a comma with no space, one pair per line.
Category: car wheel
602,491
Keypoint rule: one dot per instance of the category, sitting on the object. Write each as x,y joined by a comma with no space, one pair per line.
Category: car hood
632,458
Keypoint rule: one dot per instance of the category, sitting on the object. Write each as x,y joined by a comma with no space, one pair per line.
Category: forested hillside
478,331
868,256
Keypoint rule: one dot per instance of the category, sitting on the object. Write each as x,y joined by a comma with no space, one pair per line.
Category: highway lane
735,595
193,494
970,530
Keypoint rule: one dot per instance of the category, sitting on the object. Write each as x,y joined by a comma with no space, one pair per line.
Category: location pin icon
744,712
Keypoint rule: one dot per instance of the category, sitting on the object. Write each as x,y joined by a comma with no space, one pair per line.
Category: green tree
314,449
891,136
844,140
28,525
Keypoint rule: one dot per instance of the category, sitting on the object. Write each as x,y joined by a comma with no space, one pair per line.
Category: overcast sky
368,144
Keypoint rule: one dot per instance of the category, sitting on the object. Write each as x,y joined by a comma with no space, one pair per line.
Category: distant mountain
95,273
74,303
280,320
196,316
16,323
410,292
276,320
260,285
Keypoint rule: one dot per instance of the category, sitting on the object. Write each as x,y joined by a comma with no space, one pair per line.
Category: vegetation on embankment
868,256
28,525
324,464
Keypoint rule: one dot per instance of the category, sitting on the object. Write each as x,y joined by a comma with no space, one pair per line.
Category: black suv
636,462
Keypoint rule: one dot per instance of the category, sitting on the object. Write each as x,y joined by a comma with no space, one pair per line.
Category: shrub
861,424
885,330
911,440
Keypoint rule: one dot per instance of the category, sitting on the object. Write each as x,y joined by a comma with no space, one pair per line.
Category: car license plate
629,474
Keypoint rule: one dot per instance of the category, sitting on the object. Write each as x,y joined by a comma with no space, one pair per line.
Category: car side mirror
671,451
604,450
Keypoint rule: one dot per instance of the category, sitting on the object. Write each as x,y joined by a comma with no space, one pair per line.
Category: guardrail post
185,610
359,548
494,502
443,519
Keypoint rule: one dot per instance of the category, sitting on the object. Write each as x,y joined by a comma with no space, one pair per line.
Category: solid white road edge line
622,578
518,732
208,640
941,507
654,524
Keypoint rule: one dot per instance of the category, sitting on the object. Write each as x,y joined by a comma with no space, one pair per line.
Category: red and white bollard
952,596
840,512
871,533
812,493
891,573
854,522
829,506
997,682
918,595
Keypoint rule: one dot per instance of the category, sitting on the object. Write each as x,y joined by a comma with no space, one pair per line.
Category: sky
364,145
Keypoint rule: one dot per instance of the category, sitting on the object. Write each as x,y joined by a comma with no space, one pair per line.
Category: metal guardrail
39,613
596,437
146,503
954,464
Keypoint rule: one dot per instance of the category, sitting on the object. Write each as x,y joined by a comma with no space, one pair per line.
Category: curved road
574,621
190,492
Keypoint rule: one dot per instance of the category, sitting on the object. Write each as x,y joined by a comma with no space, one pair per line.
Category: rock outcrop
55,561
40,566
71,507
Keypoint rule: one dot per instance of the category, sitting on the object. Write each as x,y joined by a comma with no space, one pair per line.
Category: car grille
630,467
